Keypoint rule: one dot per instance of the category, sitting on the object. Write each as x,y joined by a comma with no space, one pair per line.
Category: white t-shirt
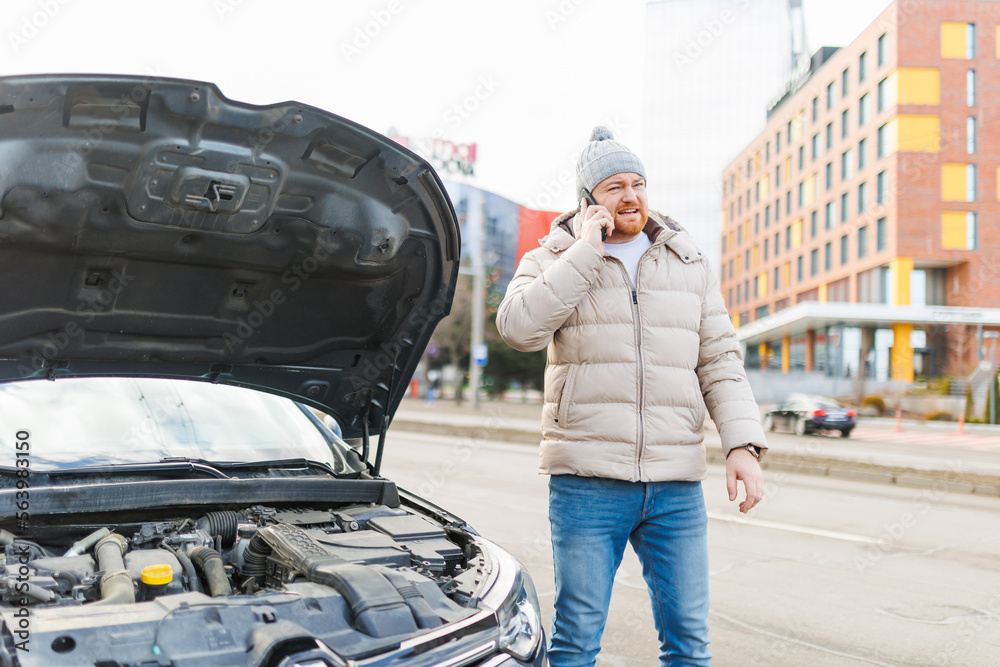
628,253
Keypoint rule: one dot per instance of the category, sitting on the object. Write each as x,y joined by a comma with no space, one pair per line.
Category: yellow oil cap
157,575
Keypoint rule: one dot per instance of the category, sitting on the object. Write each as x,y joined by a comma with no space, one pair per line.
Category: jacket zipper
641,440
640,445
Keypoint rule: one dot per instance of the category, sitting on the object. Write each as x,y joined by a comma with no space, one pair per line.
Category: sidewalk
520,423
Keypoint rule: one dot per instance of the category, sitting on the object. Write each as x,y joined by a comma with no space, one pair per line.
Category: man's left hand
742,465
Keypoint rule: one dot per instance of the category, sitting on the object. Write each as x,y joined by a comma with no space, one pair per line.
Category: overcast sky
524,79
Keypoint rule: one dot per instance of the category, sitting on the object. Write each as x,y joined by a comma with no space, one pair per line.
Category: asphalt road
824,572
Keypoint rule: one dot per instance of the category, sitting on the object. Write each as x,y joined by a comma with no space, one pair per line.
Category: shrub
939,416
874,402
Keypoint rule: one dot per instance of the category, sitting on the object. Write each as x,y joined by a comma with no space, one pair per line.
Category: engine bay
209,589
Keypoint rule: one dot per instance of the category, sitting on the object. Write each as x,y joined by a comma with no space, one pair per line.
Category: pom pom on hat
604,157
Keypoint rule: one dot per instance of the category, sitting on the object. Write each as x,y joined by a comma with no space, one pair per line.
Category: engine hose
255,557
223,524
194,584
116,584
210,563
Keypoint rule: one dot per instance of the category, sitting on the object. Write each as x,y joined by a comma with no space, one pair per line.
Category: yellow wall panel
916,85
756,256
953,230
953,40
810,190
765,186
953,182
762,284
756,162
797,126
901,355
736,321
901,268
797,233
822,293
738,262
915,134
786,274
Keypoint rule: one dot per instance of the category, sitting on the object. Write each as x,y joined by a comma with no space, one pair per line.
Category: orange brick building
860,228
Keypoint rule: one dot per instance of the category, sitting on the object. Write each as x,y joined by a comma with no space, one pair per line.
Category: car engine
209,589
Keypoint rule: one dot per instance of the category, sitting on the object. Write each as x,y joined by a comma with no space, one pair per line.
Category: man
639,344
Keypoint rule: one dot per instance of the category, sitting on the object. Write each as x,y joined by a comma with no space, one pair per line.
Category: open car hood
152,227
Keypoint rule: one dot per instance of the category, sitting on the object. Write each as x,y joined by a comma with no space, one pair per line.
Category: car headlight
512,595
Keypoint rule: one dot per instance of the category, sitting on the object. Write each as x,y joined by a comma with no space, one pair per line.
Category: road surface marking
799,641
818,532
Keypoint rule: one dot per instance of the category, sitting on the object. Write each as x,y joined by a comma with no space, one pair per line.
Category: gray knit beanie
604,157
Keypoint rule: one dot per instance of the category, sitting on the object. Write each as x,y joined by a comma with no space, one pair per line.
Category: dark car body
189,280
806,413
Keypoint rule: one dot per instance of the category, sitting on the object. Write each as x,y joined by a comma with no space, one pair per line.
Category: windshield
101,421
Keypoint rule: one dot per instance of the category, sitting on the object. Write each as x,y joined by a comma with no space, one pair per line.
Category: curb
936,480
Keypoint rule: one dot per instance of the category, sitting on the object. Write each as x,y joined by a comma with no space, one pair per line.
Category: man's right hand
588,223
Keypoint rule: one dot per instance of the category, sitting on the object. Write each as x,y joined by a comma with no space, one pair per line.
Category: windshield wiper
193,465
279,463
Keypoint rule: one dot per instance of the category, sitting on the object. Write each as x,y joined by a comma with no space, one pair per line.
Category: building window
828,256
862,198
799,272
814,262
862,154
777,142
767,216
829,136
881,49
970,135
881,101
788,137
830,214
815,146
802,193
788,202
970,88
844,129
844,209
815,109
756,223
777,177
843,249
970,41
777,209
767,152
829,175
958,230
844,78
777,284
880,188
862,241
863,105
845,165
766,244
756,193
862,62
958,40
802,157
812,224
831,95
881,148
880,235
970,182
788,237
777,243
756,284
739,235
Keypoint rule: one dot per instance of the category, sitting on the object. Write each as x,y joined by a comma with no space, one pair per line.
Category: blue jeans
592,518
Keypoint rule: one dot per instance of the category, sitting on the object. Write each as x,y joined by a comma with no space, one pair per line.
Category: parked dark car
187,279
806,413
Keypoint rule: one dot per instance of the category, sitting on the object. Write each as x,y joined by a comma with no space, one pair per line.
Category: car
806,413
200,294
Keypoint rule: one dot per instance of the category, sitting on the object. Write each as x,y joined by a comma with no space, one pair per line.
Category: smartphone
593,202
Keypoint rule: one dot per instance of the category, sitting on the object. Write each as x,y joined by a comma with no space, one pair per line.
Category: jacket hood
153,227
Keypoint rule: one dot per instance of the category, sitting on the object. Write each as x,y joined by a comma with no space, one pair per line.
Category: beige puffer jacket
629,373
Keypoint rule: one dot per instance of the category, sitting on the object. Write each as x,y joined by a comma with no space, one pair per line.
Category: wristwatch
753,449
